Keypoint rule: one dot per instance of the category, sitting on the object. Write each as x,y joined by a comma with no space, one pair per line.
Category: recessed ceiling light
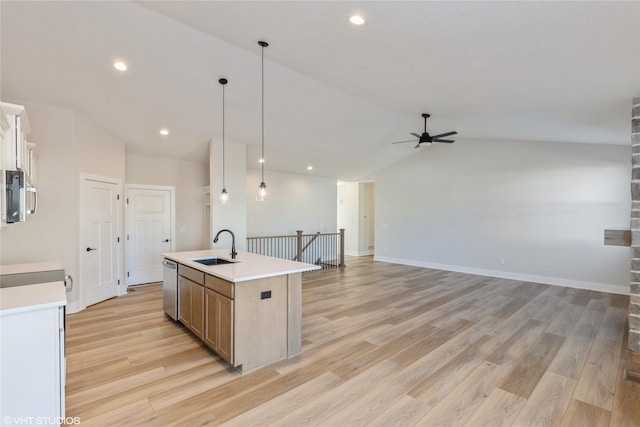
356,20
164,132
309,168
261,161
120,66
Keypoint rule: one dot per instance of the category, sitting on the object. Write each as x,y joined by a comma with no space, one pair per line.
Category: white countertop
32,297
29,268
248,266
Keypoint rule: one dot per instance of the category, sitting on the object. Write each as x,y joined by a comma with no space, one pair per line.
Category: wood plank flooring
383,345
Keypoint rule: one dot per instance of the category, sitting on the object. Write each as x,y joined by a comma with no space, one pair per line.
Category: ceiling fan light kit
425,138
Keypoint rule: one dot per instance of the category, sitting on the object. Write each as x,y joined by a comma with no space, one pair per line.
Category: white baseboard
556,281
361,253
74,308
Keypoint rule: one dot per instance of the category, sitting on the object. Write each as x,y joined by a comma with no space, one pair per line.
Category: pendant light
224,195
262,189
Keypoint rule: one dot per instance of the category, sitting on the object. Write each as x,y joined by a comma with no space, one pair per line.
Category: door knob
165,241
91,249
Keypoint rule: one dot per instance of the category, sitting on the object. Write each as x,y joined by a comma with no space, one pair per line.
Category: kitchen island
248,309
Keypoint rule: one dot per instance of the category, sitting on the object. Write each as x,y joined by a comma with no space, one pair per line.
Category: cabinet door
184,298
4,141
211,319
225,328
31,366
15,143
32,164
197,309
21,144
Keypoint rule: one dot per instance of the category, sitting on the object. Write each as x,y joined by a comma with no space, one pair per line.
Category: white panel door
149,231
98,240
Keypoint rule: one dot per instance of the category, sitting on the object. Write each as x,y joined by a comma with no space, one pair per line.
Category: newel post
299,245
342,248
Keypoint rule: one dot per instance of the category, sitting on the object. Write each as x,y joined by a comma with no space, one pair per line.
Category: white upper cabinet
18,166
15,150
5,130
31,166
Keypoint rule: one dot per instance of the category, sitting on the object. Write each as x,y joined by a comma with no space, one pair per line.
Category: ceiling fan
425,138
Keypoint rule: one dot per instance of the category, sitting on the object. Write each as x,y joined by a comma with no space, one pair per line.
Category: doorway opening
356,214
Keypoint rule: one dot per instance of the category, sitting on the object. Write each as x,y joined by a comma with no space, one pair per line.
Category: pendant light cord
263,46
223,183
223,194
263,187
223,156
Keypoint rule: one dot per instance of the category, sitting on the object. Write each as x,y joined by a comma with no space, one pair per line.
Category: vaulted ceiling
336,95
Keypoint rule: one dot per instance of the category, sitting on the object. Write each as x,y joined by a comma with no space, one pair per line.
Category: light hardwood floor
383,345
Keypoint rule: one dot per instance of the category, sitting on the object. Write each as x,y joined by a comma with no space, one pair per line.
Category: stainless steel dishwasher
170,288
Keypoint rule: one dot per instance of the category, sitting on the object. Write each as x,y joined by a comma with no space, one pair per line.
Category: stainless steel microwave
17,200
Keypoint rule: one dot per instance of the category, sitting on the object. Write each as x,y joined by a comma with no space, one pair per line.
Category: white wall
540,207
294,202
67,144
98,151
188,178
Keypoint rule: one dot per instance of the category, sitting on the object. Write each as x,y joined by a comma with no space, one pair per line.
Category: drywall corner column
233,215
634,304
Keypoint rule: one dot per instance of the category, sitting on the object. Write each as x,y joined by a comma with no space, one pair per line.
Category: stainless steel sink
213,261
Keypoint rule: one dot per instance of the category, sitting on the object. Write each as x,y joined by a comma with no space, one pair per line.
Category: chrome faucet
233,241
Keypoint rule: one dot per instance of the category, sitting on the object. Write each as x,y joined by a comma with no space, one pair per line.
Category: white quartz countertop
32,297
248,266
30,267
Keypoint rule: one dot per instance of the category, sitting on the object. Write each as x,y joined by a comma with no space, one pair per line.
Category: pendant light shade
224,195
262,189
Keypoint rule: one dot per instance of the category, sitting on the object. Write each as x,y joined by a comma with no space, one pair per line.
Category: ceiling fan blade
443,140
402,142
415,134
444,134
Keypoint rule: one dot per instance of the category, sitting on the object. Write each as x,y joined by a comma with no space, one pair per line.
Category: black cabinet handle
165,241
91,249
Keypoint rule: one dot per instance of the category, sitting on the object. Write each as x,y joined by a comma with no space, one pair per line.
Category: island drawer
220,286
191,274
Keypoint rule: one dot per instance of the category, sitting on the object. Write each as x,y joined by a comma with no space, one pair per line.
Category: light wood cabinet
225,328
211,319
197,309
184,301
219,330
191,305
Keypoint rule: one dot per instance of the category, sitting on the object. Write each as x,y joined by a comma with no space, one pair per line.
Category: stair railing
323,249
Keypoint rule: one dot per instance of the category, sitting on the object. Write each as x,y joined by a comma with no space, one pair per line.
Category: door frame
121,290
172,204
